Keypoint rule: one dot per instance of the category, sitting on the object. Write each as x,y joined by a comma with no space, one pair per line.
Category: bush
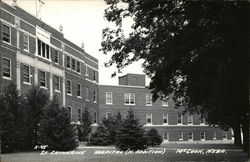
153,138
101,136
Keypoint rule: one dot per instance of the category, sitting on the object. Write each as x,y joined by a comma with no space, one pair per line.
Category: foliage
85,127
130,134
153,137
56,130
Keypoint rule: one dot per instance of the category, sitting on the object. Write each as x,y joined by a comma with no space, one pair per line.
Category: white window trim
192,136
147,104
181,119
151,118
57,57
204,136
80,90
72,64
164,137
69,62
27,50
9,33
44,87
164,118
163,103
70,94
129,99
180,139
79,67
58,90
4,77
40,56
192,119
109,103
28,83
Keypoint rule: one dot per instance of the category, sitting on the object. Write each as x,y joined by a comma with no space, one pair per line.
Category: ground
165,152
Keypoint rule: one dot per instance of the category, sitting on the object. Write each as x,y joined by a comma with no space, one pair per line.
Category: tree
101,137
85,127
130,134
153,137
56,130
37,98
12,120
198,51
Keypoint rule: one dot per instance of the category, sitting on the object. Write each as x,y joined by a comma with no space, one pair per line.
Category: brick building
171,123
34,53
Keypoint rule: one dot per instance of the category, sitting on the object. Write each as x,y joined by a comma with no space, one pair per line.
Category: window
94,75
149,118
94,95
180,136
190,136
190,119
95,117
129,99
202,118
165,136
43,49
87,93
86,70
79,115
79,90
26,42
179,119
214,136
109,98
69,87
56,57
224,135
73,63
165,118
148,100
6,33
68,62
26,74
165,101
202,135
57,83
109,115
6,68
78,66
70,112
42,79
180,100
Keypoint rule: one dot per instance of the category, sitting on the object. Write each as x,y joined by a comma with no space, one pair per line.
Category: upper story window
94,75
165,118
26,74
109,98
148,100
68,62
190,119
149,118
73,63
26,42
129,99
165,101
95,117
56,56
79,114
6,68
57,83
42,79
202,118
180,100
79,90
179,119
69,87
78,66
6,33
94,95
43,49
190,136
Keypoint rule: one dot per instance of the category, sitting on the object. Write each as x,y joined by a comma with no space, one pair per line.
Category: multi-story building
33,53
170,122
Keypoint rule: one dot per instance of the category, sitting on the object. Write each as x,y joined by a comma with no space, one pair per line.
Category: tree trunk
237,135
245,130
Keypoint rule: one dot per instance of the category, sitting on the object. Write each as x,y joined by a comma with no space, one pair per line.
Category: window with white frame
165,136
43,79
179,118
73,64
56,56
180,100
68,62
69,87
202,120
43,49
165,101
57,83
148,118
70,112
26,74
26,42
165,118
202,135
95,117
190,119
180,136
190,136
6,33
109,115
94,95
78,66
87,92
148,100
79,115
79,90
109,98
6,68
129,98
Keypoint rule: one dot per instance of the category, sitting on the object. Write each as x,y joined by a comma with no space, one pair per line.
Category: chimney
82,45
61,28
14,3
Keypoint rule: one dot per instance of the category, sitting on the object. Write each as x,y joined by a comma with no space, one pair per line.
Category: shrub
153,137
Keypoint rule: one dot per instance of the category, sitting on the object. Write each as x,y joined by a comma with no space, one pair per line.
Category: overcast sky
82,21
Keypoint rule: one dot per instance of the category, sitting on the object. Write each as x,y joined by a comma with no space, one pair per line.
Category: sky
82,21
